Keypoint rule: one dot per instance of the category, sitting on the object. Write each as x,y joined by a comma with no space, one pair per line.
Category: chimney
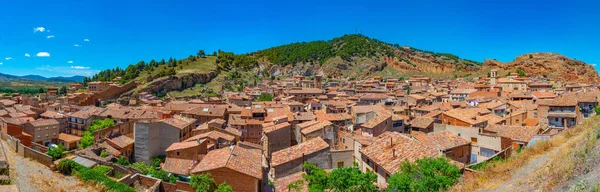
393,153
391,142
302,162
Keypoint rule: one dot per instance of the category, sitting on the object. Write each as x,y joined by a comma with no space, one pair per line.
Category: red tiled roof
317,125
178,166
183,145
442,140
121,141
421,122
294,152
390,157
245,161
516,133
44,122
179,121
215,135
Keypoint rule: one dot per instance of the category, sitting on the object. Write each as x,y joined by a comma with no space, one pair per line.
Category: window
460,153
46,128
177,153
340,164
39,129
46,135
474,140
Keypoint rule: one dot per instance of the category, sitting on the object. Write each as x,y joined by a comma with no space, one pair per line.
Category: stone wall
321,159
152,139
27,152
344,156
37,156
148,183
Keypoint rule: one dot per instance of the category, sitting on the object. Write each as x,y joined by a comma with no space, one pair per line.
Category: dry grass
573,154
497,172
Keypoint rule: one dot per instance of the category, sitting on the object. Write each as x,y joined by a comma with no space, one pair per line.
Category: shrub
157,160
264,97
428,174
87,139
142,167
67,166
340,179
224,187
104,153
163,175
118,175
56,152
123,161
102,169
90,175
202,182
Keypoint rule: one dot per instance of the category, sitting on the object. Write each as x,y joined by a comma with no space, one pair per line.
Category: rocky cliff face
163,85
177,82
551,65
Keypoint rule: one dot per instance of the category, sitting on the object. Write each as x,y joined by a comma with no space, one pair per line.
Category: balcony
563,113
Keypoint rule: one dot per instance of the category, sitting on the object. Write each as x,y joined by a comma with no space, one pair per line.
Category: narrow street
31,176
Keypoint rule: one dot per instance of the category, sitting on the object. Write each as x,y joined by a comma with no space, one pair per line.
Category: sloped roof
245,161
390,157
421,122
442,140
295,152
516,133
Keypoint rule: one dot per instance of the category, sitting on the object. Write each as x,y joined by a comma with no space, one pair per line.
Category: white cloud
76,45
0,63
593,64
39,29
43,54
50,36
8,58
68,70
86,40
79,67
27,55
69,62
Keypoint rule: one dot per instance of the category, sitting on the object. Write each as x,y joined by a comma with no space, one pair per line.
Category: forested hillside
348,56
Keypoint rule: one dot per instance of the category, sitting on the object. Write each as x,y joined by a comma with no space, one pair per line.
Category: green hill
348,56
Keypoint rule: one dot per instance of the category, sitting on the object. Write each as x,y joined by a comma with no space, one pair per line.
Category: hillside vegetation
569,161
349,56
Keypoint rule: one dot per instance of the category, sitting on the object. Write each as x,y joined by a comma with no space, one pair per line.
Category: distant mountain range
76,78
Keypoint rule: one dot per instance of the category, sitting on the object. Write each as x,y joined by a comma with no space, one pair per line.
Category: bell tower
493,76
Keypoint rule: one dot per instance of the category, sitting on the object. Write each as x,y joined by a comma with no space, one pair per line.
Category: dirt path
32,176
526,171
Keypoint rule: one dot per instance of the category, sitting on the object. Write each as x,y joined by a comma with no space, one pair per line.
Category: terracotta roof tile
404,148
44,122
245,161
68,137
421,122
121,141
295,152
179,121
442,140
178,166
516,133
314,126
183,145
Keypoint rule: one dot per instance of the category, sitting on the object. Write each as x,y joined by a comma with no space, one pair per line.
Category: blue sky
124,32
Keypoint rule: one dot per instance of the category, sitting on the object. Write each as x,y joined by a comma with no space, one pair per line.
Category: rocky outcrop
177,82
163,85
551,65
